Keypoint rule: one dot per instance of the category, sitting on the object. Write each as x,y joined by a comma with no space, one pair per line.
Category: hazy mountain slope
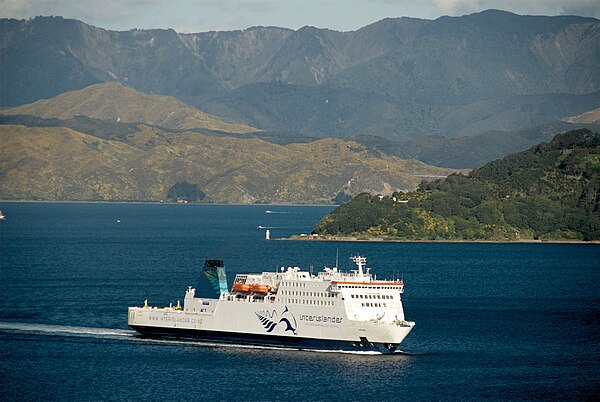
46,56
56,163
237,57
475,151
512,113
323,111
328,111
398,78
118,102
458,60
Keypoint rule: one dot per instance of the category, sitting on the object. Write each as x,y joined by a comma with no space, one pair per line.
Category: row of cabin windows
294,284
311,302
374,304
311,294
369,287
372,296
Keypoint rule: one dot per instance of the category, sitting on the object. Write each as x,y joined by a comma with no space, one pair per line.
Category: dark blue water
494,321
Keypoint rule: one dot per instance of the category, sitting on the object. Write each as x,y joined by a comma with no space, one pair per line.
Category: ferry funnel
213,282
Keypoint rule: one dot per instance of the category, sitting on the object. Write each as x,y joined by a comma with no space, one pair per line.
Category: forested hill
549,192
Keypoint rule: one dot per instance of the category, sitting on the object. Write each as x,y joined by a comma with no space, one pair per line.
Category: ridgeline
549,192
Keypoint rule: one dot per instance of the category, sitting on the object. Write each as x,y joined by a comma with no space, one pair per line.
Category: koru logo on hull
271,319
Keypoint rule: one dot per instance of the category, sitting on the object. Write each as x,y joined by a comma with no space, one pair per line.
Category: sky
225,15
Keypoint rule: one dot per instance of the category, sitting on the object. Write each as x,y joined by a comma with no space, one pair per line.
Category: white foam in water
65,330
113,333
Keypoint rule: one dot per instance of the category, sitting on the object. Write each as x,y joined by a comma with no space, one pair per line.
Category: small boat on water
2,216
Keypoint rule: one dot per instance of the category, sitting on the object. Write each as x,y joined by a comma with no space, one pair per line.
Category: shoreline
351,239
165,203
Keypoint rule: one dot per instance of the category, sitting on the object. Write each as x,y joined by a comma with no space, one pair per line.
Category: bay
493,321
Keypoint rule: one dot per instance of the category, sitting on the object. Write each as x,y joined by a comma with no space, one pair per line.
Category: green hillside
551,191
138,162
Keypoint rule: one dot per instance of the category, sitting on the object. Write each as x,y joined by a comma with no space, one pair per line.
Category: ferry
291,308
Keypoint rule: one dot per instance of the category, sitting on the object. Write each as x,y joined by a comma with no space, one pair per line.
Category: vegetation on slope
141,162
551,191
119,103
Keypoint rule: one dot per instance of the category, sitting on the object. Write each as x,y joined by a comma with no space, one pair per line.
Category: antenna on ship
337,254
360,261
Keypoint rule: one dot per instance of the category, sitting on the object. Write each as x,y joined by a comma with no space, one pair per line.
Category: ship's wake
130,335
65,330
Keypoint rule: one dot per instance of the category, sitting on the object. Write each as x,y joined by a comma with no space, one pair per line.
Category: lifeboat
259,288
241,287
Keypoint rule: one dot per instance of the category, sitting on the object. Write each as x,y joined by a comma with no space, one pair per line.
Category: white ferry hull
323,329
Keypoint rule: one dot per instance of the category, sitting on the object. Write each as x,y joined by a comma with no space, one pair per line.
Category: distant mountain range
549,192
109,142
399,79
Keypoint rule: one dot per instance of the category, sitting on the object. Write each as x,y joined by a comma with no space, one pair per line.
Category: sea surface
493,321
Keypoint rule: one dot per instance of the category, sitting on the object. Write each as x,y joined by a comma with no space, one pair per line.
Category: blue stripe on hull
362,345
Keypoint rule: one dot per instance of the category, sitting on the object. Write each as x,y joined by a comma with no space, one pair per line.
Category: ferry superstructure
333,310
